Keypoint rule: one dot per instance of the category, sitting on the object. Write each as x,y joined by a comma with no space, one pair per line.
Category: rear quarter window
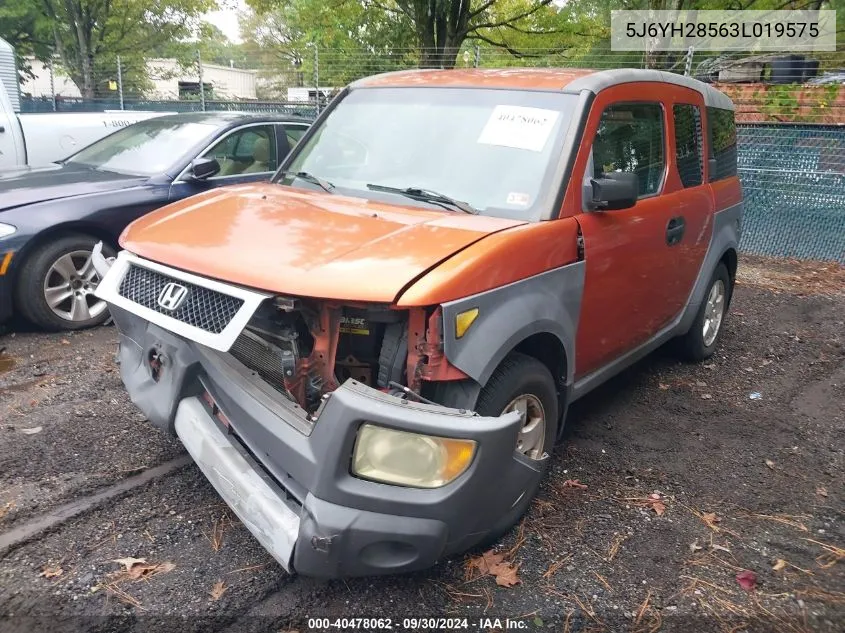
722,137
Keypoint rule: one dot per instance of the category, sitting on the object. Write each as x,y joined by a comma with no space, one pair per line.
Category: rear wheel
522,383
55,288
706,331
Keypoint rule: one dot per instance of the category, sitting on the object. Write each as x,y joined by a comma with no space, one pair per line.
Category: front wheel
522,383
706,331
55,289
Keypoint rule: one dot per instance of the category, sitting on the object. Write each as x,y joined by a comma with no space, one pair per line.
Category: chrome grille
202,308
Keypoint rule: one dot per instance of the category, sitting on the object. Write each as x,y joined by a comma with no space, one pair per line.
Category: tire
57,268
517,375
699,342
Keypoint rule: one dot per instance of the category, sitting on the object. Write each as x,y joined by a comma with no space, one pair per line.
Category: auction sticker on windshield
519,127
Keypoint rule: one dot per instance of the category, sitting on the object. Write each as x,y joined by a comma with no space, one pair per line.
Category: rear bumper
288,478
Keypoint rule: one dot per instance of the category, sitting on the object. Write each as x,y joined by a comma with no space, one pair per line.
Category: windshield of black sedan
143,149
493,149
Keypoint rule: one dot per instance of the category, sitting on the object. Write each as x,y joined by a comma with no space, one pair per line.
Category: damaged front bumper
288,475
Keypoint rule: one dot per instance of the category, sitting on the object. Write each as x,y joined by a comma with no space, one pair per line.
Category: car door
630,254
294,132
246,154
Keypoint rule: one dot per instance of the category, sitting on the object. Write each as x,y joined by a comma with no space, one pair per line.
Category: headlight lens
6,229
409,459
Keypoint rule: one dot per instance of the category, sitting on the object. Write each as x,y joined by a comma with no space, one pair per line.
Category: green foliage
87,36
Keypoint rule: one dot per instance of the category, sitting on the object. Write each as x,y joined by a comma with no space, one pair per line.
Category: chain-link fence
790,113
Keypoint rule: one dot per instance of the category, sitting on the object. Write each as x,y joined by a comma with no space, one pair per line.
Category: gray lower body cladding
288,478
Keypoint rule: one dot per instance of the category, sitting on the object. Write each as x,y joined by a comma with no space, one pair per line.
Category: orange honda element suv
371,356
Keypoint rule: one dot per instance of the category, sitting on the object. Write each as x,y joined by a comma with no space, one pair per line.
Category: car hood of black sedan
19,187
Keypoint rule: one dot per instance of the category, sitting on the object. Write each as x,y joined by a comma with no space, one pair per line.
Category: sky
226,18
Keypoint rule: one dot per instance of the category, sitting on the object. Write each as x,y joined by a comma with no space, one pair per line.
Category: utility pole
317,76
120,81
52,84
202,85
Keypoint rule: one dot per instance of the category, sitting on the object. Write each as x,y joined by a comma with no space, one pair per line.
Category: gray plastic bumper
272,521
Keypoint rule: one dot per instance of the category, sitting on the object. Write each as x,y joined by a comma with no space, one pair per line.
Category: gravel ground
672,480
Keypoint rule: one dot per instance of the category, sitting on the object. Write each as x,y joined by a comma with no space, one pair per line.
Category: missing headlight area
305,348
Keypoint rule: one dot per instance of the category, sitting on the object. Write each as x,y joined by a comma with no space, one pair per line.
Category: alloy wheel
69,287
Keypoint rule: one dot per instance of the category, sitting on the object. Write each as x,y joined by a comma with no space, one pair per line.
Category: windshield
143,149
493,149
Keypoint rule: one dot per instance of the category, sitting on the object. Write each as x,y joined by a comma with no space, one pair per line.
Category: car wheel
55,288
522,383
706,331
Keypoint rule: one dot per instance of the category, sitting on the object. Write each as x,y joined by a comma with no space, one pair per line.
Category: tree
23,26
438,27
88,35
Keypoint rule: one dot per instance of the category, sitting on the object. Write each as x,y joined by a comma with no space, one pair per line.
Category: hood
290,241
30,185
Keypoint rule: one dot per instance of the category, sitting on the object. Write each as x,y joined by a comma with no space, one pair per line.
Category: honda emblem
172,296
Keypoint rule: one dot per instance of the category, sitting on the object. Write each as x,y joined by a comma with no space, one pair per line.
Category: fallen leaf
694,546
779,565
663,386
657,504
821,491
135,569
218,590
573,483
129,562
706,396
492,564
65,341
770,464
719,548
51,572
710,519
33,430
747,580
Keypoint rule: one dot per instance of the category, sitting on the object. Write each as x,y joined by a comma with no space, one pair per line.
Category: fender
546,303
727,230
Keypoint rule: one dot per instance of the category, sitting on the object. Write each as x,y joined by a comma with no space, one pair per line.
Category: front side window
722,138
630,138
688,144
144,149
495,150
250,150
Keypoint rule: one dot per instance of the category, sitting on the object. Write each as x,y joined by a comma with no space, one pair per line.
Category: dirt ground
675,486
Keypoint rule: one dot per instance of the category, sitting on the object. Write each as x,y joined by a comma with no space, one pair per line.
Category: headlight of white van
409,459
6,229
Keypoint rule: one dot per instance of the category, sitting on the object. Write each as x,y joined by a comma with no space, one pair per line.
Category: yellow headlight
464,320
409,459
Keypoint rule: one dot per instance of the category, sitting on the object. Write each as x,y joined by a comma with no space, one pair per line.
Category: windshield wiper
304,175
426,195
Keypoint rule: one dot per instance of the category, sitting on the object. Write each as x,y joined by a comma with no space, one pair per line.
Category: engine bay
305,349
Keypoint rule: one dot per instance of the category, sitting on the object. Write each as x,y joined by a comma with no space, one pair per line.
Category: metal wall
9,73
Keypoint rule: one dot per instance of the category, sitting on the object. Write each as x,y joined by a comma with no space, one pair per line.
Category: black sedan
51,217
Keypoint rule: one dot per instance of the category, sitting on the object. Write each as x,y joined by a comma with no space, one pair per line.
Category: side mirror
613,191
203,168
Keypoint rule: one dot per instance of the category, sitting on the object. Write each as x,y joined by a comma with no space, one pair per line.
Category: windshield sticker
519,199
519,127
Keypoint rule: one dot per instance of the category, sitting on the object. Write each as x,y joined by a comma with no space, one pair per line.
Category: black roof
228,117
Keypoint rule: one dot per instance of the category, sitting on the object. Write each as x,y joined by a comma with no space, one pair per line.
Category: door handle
675,230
